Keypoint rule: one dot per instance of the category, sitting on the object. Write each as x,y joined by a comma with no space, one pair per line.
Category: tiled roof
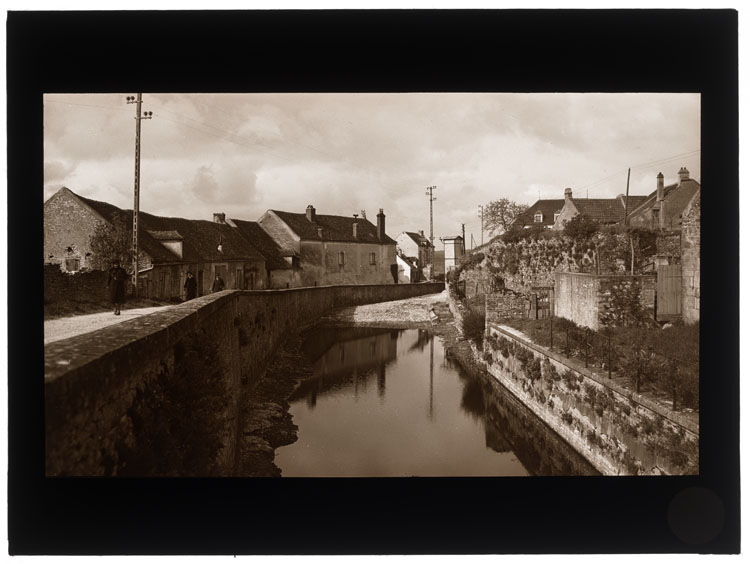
165,235
262,241
548,209
417,238
335,228
608,210
650,200
408,261
200,239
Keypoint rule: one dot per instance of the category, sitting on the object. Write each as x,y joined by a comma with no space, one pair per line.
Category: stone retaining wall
94,382
506,305
598,301
618,431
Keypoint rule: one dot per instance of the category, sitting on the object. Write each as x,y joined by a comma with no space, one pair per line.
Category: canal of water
392,402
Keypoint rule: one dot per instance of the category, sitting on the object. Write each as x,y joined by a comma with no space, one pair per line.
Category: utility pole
481,216
463,238
137,100
432,199
627,194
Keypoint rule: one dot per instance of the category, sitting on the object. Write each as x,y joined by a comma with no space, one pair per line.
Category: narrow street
66,327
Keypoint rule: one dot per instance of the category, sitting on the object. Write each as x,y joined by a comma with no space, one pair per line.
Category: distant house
542,212
454,250
334,249
419,249
282,266
606,211
408,271
168,247
665,206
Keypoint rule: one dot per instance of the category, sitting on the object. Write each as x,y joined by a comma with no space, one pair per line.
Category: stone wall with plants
618,431
691,262
507,305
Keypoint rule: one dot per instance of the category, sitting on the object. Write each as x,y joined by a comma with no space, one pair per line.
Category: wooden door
668,292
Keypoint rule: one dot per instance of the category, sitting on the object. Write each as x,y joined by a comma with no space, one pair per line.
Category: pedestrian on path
218,284
191,287
116,285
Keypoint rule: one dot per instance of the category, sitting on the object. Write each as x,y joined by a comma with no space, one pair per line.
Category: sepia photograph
337,285
373,282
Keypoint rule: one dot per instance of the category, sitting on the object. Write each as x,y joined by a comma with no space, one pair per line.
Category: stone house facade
691,260
334,249
419,249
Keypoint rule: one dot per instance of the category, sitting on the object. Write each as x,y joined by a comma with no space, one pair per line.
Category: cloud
205,186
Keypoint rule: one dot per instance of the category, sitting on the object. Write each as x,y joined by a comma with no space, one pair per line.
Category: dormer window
557,214
538,217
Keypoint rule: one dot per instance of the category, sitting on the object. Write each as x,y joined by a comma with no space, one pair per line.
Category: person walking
218,284
191,287
116,285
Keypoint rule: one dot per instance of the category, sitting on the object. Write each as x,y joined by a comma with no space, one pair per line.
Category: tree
581,227
500,214
110,242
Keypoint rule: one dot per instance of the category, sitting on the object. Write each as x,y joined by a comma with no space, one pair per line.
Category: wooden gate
668,292
542,302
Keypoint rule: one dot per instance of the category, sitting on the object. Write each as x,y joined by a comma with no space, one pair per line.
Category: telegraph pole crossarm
137,100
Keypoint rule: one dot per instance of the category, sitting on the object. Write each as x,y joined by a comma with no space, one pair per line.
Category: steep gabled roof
166,235
418,239
650,200
407,260
200,239
254,233
548,208
334,228
610,210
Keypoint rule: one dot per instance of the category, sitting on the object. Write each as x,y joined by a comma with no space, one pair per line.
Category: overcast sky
243,154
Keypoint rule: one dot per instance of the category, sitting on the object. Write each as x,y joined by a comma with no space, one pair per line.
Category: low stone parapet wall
103,390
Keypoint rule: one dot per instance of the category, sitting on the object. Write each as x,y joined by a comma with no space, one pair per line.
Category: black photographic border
372,51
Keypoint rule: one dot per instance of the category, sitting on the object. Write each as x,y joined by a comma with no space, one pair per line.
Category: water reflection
360,414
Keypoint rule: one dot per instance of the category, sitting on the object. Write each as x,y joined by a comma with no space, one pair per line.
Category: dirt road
65,327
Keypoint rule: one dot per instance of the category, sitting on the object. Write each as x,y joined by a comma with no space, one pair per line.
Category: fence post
609,355
550,332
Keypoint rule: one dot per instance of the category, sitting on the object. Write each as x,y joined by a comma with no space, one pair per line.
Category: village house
334,249
665,206
282,266
419,249
168,247
606,211
542,212
408,271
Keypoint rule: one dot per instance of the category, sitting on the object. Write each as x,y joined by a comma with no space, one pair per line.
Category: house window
342,258
538,217
72,264
372,258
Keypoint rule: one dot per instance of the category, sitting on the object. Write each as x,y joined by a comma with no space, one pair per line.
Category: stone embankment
616,430
103,390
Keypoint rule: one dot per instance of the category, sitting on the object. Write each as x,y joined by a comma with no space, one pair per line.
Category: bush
473,325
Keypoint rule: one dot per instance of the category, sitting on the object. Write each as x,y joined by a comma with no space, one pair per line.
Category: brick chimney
684,174
568,193
220,218
381,225
310,212
660,198
421,232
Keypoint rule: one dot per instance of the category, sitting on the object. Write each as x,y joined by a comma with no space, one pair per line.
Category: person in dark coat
191,287
218,284
116,284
